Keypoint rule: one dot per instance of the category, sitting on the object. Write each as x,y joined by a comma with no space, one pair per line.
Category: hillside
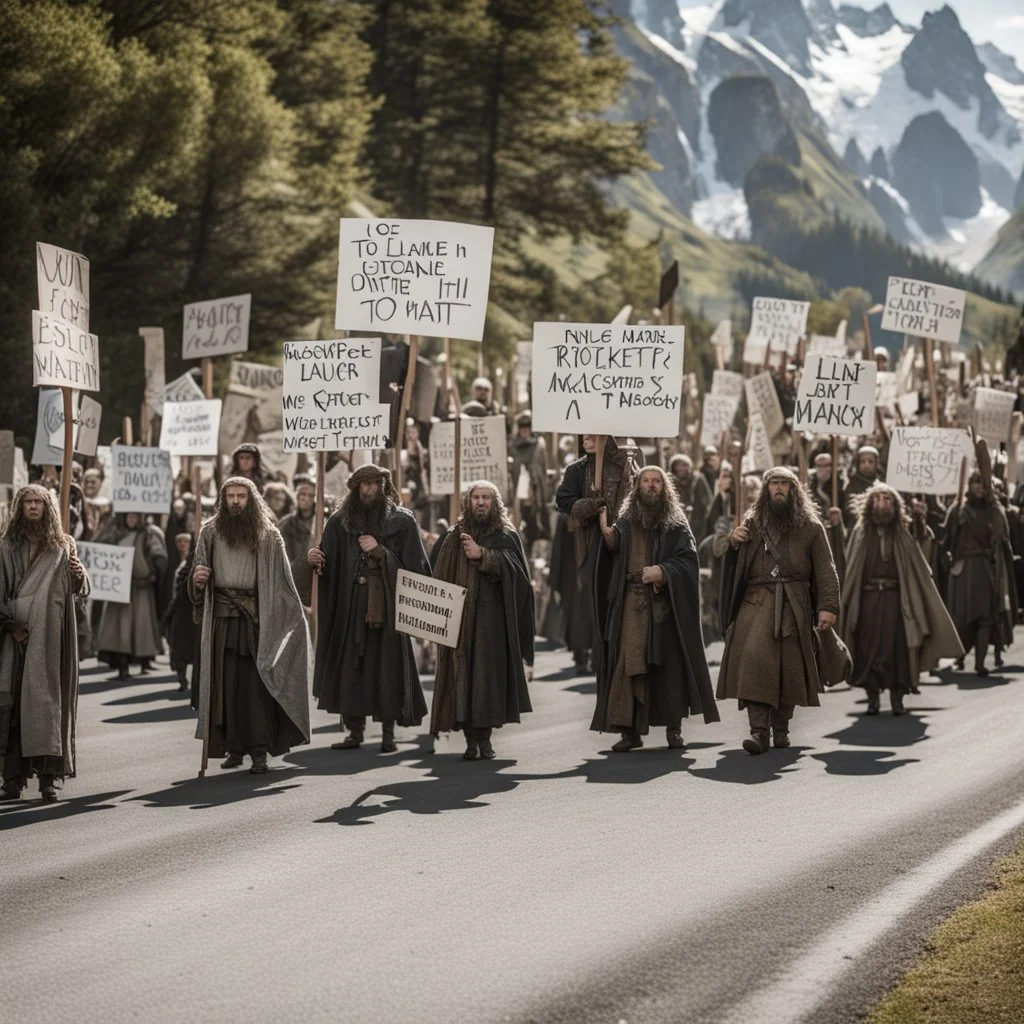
1004,263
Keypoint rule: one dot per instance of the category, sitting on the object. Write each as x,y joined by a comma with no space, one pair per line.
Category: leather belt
880,584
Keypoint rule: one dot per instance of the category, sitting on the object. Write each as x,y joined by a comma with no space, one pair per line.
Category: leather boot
11,790
354,739
674,737
629,741
874,702
233,760
472,749
484,740
980,650
259,762
759,716
780,726
48,788
896,696
387,740
182,681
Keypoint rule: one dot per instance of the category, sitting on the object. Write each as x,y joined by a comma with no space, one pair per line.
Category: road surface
558,883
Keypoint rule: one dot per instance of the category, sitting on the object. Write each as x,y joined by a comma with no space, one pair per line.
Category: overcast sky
996,21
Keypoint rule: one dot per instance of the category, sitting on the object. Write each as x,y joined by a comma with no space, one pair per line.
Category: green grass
973,970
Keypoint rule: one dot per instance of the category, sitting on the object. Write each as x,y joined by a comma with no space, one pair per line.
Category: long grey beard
651,513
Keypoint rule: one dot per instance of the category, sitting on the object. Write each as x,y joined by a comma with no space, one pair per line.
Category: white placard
331,397
524,367
105,464
722,337
143,481
62,281
826,345
110,570
63,355
153,367
190,428
484,453
274,458
20,470
926,460
216,327
87,430
923,309
758,456
886,390
183,389
836,396
607,379
727,384
413,277
48,448
780,323
717,414
265,383
992,413
428,608
762,397
908,405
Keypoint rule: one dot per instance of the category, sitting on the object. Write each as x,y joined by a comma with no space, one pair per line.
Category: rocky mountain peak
781,25
879,166
823,20
854,159
867,23
999,63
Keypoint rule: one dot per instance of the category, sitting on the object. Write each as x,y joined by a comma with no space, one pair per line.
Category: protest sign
183,389
413,277
63,355
826,345
926,460
216,327
6,457
261,386
926,310
20,470
727,384
886,390
142,479
524,367
153,367
190,428
836,396
331,396
110,570
484,453
993,413
237,419
717,414
87,430
105,464
762,397
780,323
62,281
607,379
908,406
48,449
273,456
759,456
428,608
722,337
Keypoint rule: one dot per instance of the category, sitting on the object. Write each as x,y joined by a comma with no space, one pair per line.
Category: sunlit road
557,883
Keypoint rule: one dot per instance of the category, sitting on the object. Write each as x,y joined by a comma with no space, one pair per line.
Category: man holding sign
40,574
364,668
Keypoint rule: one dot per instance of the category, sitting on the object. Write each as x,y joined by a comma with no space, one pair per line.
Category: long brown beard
361,517
239,530
478,528
651,510
778,517
883,518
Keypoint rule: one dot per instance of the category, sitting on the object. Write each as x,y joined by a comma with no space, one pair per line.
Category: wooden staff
602,440
197,489
869,351
318,532
126,432
207,366
197,524
144,422
403,407
801,454
69,449
835,471
456,505
929,362
962,488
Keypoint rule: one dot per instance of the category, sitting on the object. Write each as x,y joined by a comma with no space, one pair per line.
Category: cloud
1014,21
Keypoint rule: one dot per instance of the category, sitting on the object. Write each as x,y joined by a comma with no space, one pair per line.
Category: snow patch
724,214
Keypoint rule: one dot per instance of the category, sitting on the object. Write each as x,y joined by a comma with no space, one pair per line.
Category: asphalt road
557,883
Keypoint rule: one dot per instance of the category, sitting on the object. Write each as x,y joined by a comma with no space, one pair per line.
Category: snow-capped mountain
929,126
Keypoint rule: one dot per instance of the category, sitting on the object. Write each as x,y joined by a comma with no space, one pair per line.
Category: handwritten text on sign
993,413
63,355
607,379
414,277
62,280
776,322
331,396
927,310
836,396
190,428
926,460
484,453
142,479
110,571
216,327
716,419
727,384
427,608
763,398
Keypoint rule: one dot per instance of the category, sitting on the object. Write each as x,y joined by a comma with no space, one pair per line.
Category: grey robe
134,628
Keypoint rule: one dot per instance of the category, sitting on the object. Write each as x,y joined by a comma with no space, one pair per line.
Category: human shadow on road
588,689
220,788
861,762
30,810
884,730
148,697
739,767
967,680
569,672
174,713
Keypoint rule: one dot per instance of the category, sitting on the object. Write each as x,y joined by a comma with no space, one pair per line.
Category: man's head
976,486
242,517
783,503
370,492
132,520
35,517
524,424
712,459
481,501
651,484
245,461
823,467
279,498
883,507
183,542
305,498
482,391
725,478
881,359
652,501
681,467
92,480
867,461
590,443
482,508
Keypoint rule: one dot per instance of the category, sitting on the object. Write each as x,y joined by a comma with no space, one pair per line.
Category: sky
996,21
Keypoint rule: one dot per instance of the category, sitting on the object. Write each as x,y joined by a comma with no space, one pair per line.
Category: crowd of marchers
634,567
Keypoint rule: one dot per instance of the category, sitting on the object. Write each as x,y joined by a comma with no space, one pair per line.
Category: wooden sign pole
929,362
197,525
403,407
318,532
456,503
869,351
127,437
835,471
801,454
69,450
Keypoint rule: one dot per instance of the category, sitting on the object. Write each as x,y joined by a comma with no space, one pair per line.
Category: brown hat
364,474
780,473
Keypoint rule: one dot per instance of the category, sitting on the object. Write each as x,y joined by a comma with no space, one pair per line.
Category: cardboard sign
413,277
190,428
484,453
6,457
992,413
722,337
87,432
780,323
607,379
153,367
758,456
886,390
142,479
908,406
826,345
727,384
428,608
62,281
331,396
763,398
926,310
216,327
252,405
183,389
48,449
110,570
927,460
836,396
274,458
524,367
63,355
717,414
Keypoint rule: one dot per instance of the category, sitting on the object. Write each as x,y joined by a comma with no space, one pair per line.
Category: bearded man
862,479
892,618
480,685
40,574
247,462
254,660
651,667
131,632
578,498
780,599
981,594
364,668
297,532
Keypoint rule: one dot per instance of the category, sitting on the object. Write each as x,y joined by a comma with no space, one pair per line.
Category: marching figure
254,661
651,667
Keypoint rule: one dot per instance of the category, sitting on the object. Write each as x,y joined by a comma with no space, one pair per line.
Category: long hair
51,535
805,509
262,518
499,517
673,513
865,504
